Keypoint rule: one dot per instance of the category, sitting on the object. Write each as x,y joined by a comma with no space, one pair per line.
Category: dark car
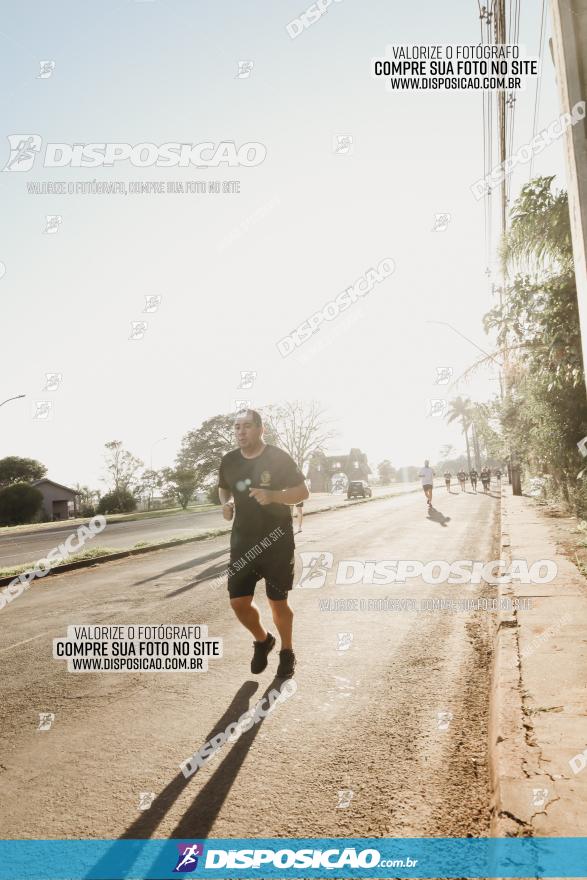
358,489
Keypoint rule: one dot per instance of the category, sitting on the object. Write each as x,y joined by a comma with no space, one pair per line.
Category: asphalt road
18,548
365,719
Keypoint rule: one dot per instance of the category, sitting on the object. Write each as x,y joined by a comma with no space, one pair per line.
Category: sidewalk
539,717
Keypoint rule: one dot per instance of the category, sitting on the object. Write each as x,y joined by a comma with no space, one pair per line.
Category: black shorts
275,565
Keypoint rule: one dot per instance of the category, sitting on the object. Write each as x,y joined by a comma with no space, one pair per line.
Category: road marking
16,644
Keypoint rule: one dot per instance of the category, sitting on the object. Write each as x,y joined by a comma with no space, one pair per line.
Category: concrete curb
538,724
508,747
177,542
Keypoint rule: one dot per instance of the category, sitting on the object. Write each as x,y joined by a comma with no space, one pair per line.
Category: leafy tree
386,472
120,501
19,503
544,412
20,470
87,499
202,449
182,482
148,483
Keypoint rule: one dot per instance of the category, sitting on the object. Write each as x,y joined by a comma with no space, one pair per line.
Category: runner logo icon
314,569
187,860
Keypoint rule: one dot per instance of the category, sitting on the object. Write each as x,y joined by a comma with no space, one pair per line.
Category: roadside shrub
213,496
117,502
19,503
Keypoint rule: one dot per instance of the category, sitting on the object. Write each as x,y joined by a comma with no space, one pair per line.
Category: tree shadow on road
208,802
437,516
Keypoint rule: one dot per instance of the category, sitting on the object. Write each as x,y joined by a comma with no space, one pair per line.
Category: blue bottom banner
297,857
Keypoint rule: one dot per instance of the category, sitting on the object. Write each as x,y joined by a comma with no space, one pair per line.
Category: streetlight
462,335
18,396
152,447
160,440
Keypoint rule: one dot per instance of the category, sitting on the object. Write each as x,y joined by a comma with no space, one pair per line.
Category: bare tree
122,467
300,428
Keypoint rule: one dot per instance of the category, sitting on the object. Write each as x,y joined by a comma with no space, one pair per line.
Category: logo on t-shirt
265,478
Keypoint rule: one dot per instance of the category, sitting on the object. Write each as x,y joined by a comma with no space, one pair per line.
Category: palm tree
462,409
480,414
540,231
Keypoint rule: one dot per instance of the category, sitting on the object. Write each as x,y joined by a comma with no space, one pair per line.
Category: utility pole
501,39
569,50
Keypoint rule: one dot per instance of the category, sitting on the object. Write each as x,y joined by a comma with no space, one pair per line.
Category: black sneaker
259,661
287,663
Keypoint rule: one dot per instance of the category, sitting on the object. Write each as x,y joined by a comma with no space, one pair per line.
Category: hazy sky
312,223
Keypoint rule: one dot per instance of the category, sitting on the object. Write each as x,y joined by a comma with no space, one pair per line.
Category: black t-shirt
273,469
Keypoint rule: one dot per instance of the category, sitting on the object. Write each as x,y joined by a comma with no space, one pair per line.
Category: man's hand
263,496
228,510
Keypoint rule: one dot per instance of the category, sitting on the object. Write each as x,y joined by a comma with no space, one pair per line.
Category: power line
538,80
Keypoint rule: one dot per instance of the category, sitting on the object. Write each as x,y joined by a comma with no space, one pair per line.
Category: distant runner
474,476
462,478
299,509
260,482
485,478
447,479
427,475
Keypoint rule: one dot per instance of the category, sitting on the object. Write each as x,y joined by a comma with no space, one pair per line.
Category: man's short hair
255,416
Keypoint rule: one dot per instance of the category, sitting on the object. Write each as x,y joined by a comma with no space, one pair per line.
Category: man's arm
225,496
281,496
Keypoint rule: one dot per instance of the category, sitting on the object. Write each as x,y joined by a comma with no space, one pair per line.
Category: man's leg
283,619
248,614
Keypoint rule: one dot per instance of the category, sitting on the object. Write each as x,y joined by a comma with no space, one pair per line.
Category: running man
474,476
427,475
258,483
447,479
462,478
485,477
299,509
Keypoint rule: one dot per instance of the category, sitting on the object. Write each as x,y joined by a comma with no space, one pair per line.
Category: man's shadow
204,809
184,566
437,516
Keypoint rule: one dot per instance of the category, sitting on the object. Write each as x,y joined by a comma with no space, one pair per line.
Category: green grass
111,517
90,553
100,552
